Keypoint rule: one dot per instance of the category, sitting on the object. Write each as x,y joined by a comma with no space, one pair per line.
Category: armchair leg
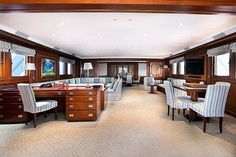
168,113
34,119
220,123
178,111
184,112
204,124
55,113
173,113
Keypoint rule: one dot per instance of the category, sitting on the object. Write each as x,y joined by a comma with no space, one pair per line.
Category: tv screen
195,66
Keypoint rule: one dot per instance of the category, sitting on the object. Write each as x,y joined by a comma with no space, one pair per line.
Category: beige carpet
137,125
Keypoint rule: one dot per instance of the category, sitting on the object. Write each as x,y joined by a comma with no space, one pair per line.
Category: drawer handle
71,99
90,115
1,115
90,93
71,106
20,106
20,116
1,107
90,99
1,99
71,115
19,99
90,106
71,93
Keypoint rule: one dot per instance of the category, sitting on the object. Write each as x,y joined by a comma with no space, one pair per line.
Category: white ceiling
118,35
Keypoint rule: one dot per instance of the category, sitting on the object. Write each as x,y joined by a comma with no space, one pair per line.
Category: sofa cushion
96,80
108,80
77,80
83,80
111,90
103,80
113,82
71,81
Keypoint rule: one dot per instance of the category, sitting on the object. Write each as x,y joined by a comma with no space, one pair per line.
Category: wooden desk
192,91
11,106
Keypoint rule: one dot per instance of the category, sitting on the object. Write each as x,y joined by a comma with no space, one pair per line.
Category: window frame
11,62
214,66
172,65
179,68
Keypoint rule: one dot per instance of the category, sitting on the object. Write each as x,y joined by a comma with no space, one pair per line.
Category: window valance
67,60
22,50
218,51
4,46
232,47
176,60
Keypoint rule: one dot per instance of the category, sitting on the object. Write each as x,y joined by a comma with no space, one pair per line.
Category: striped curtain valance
232,47
4,46
218,51
176,60
22,50
67,60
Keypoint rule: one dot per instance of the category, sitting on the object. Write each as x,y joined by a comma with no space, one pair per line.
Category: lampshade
30,66
88,66
165,67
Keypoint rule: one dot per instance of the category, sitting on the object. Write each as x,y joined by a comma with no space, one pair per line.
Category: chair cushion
111,90
198,107
115,84
182,102
45,105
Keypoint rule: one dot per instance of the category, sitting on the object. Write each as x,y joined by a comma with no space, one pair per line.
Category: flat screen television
194,66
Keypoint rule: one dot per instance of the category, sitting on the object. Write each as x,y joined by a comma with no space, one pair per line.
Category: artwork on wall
48,68
156,69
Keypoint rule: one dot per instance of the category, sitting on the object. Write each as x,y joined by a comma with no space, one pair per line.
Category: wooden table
152,86
194,97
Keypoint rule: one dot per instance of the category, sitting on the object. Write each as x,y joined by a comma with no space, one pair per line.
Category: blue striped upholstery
214,103
175,102
223,83
29,102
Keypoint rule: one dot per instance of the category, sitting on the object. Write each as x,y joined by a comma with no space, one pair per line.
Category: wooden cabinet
83,104
11,107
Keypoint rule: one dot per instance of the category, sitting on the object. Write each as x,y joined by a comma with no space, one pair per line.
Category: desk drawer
11,117
81,115
81,98
12,99
11,107
49,93
82,93
81,105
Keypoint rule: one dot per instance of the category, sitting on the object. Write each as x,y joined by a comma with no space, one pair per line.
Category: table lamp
30,67
88,66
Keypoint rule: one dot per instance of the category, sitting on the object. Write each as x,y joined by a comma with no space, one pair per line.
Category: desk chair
30,104
129,79
173,102
213,105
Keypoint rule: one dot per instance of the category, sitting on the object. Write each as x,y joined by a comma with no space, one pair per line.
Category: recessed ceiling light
114,19
129,19
62,23
181,24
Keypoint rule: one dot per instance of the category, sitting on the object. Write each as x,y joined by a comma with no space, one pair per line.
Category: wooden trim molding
158,6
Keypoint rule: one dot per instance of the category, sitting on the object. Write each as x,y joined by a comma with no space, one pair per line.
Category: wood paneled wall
41,52
208,77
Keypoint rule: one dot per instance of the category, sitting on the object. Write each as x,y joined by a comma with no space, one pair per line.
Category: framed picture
48,68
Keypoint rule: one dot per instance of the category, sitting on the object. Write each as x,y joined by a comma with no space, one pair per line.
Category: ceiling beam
155,6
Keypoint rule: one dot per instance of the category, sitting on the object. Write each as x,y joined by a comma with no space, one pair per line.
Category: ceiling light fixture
181,24
129,19
62,23
114,19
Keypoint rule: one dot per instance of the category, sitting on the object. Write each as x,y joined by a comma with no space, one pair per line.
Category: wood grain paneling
167,6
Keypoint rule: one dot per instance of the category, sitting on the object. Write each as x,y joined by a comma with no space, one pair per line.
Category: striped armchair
213,105
30,104
173,102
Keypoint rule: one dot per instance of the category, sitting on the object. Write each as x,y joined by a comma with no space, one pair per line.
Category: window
18,64
181,68
221,66
62,68
174,68
69,68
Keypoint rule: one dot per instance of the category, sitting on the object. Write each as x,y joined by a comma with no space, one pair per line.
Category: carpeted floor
137,125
